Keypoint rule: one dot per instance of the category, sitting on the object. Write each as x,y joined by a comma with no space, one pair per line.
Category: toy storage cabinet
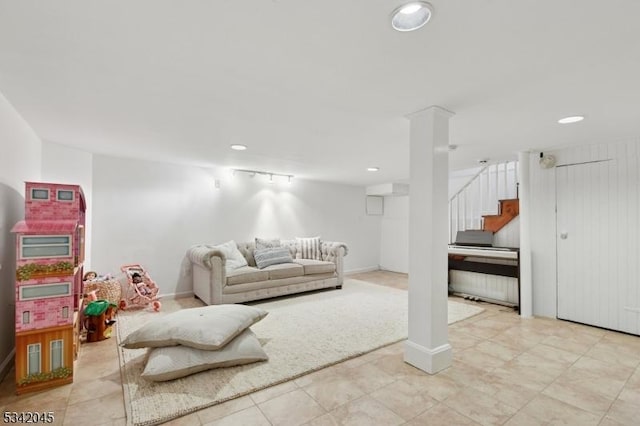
50,256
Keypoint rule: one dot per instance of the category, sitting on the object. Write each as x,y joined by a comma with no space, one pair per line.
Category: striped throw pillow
308,248
271,256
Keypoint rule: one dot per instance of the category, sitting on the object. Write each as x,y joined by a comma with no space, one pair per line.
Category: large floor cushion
178,361
316,266
207,327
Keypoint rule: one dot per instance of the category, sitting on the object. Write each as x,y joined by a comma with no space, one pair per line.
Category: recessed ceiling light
572,119
411,16
238,147
373,169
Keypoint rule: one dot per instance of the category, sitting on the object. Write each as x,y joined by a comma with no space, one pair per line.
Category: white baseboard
172,296
6,364
382,268
360,270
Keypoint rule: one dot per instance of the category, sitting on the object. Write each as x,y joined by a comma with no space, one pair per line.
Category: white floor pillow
179,361
208,328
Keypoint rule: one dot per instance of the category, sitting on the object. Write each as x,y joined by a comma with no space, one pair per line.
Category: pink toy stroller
141,290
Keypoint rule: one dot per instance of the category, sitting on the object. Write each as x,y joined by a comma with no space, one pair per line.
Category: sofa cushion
316,266
271,256
284,270
246,274
264,287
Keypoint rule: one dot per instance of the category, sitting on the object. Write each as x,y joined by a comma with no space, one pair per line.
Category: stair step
509,209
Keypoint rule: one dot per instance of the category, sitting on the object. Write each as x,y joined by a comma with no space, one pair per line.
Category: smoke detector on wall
547,161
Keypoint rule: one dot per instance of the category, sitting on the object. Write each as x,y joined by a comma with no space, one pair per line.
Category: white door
597,237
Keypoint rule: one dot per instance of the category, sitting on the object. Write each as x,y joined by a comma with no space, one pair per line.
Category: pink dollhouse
50,255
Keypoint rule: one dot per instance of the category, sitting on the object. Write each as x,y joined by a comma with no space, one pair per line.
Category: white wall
543,217
151,213
61,164
394,234
19,162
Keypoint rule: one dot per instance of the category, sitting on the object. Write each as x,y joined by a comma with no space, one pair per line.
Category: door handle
564,235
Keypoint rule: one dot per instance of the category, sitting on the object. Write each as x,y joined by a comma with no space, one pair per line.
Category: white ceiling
319,89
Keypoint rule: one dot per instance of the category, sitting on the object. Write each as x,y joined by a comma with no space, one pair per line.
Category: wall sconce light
547,161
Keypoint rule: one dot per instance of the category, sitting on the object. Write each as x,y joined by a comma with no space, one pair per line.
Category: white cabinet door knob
564,235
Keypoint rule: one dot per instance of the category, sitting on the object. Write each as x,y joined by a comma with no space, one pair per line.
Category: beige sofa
214,284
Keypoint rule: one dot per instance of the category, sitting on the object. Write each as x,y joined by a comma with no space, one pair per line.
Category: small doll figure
136,278
90,276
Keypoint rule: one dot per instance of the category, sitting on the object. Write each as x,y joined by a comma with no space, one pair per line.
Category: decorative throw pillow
308,248
179,361
208,328
264,243
235,259
272,256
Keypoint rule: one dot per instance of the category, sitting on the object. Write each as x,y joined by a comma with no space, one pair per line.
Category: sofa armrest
202,255
209,273
334,251
331,250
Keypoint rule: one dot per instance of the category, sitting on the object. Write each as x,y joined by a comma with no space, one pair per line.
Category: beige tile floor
506,370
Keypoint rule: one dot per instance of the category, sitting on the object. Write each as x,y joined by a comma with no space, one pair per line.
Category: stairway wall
394,239
509,236
480,197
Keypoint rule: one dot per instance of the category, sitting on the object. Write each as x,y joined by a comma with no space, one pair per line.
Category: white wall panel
483,285
509,236
543,241
618,206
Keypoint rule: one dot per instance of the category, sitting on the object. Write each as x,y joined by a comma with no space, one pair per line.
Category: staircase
488,201
509,209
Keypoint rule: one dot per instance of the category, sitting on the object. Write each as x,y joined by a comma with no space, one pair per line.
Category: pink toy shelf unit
50,255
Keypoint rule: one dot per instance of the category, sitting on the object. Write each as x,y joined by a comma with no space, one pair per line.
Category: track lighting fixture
270,175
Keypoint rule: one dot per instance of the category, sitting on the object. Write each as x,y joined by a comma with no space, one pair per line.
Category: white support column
428,345
526,278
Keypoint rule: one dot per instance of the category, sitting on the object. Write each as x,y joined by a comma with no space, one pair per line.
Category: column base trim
428,360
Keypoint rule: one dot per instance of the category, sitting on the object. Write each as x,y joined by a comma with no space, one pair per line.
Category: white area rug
301,334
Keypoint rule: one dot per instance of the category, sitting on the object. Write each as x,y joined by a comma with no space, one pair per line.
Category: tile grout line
602,416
